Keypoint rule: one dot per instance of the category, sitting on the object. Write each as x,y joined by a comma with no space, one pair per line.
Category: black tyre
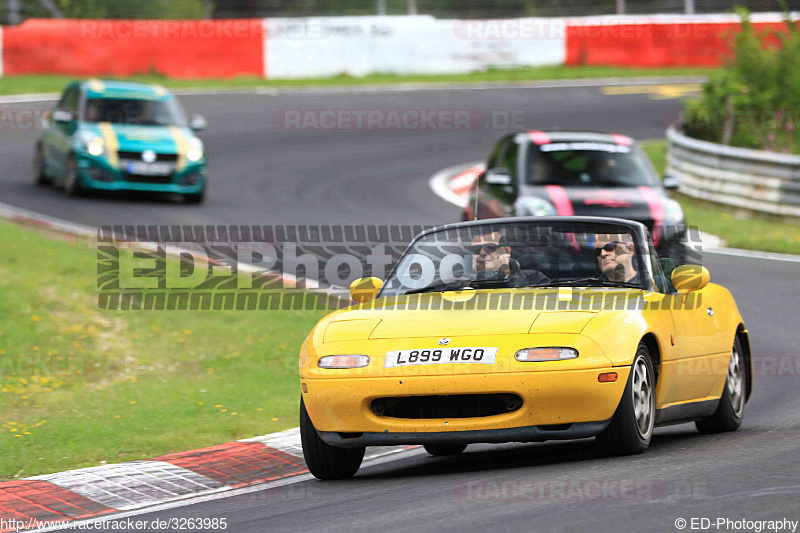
72,181
195,198
631,428
323,460
730,411
444,449
38,167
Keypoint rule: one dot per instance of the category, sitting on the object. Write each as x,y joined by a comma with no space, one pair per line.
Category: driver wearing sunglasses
615,257
491,259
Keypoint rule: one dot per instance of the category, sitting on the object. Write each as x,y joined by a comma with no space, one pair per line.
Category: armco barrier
751,179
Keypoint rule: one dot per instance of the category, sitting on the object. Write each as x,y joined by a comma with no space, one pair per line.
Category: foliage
755,101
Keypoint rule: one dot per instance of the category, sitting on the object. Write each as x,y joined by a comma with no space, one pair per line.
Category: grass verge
56,83
82,386
738,227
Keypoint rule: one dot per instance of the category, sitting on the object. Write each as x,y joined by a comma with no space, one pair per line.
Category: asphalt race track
263,174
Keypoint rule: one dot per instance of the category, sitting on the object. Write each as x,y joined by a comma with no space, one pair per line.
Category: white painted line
440,185
753,254
19,215
399,87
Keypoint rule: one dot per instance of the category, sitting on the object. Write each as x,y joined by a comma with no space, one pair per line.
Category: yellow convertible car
522,330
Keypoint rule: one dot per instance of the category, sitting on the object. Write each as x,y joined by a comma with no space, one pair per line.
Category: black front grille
139,178
137,156
451,406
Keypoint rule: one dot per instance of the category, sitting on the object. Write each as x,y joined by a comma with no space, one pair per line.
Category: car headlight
95,146
673,214
343,361
532,206
545,354
195,152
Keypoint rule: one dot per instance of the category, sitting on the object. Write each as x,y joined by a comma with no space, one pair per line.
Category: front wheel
72,182
38,167
195,198
324,461
730,411
631,428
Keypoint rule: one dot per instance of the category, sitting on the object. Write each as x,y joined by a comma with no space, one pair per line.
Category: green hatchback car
121,136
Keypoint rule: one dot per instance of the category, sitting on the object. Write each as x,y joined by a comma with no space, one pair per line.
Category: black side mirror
670,181
62,116
198,122
498,176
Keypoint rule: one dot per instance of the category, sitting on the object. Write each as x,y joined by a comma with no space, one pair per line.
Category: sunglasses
608,247
490,248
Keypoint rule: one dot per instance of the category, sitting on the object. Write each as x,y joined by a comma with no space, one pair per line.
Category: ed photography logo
309,267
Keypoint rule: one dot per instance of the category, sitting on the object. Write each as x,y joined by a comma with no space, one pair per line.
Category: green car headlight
95,146
195,152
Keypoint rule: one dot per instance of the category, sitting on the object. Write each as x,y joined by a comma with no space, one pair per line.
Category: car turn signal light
545,354
343,361
607,377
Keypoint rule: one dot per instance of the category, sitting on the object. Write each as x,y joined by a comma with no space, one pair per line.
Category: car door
688,371
57,139
497,187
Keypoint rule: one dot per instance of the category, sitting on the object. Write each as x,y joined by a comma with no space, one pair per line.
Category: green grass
55,83
81,385
739,228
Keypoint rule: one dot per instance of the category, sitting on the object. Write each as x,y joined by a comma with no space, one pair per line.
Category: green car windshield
134,112
521,254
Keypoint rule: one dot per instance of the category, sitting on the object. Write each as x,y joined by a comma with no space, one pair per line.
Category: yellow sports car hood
466,313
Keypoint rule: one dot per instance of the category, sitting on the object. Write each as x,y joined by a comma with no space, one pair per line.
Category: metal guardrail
752,179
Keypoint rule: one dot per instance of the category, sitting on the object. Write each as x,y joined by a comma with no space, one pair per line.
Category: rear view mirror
498,176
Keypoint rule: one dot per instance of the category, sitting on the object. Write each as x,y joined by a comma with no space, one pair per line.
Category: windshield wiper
459,284
593,281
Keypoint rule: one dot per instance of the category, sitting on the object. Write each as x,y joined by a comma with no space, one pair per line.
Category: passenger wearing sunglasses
615,254
491,259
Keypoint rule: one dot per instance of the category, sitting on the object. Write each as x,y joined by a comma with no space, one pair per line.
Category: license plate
149,169
441,356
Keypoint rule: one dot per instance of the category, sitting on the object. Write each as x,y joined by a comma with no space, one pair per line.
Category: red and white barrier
325,46
658,40
177,48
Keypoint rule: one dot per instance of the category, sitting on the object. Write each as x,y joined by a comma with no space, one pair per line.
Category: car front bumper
96,173
555,405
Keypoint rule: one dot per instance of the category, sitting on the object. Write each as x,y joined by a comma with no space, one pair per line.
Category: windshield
589,164
134,111
515,255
